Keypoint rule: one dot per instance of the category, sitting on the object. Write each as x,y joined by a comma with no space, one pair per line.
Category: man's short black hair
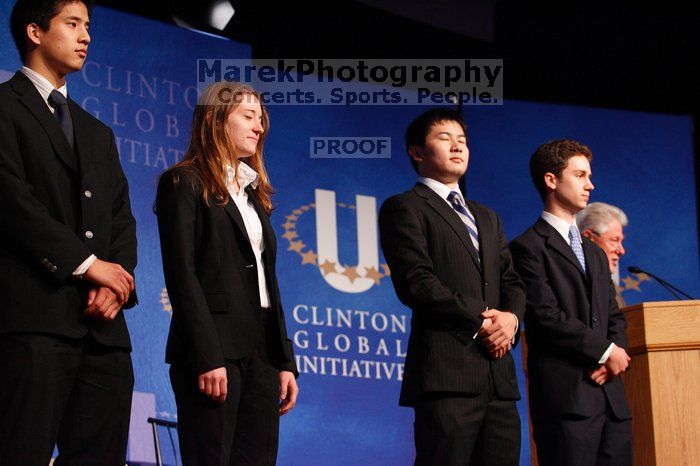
420,127
40,12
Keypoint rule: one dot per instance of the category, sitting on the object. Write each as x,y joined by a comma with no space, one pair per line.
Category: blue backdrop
348,328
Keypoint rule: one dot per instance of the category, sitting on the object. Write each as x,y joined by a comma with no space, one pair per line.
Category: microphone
670,288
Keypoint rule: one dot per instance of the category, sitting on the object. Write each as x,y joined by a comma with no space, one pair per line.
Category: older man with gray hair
602,223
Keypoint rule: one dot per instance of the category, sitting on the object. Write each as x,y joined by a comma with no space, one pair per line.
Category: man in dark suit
575,331
451,265
67,254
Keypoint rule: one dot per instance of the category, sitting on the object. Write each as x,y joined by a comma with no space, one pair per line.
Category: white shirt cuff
482,326
606,355
517,325
82,268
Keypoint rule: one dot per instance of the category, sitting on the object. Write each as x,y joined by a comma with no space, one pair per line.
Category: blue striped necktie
466,217
575,238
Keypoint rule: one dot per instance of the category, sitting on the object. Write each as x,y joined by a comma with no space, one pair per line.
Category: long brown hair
211,146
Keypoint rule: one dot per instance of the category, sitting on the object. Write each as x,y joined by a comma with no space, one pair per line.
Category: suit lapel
233,212
36,105
450,216
484,232
556,242
268,231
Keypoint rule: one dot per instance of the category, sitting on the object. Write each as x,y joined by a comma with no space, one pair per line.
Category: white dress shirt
444,191
562,227
45,88
43,85
246,176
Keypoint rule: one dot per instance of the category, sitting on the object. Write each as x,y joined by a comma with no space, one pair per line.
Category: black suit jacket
571,319
51,197
435,271
212,278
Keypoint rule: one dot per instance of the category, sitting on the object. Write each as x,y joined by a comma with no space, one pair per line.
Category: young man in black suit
575,331
450,264
67,254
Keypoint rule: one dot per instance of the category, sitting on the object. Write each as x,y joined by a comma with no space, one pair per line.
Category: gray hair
598,215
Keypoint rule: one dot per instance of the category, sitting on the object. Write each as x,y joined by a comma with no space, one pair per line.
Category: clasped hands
497,331
618,361
114,285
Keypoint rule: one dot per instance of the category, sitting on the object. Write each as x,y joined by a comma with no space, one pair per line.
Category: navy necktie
467,217
60,105
575,238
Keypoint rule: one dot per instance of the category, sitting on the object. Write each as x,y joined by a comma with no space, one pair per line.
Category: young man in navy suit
575,331
67,255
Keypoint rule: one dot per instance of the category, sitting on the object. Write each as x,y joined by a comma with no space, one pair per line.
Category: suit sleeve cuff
606,355
82,268
482,325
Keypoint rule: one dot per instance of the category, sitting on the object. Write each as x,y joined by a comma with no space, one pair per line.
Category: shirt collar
42,84
441,189
245,176
559,224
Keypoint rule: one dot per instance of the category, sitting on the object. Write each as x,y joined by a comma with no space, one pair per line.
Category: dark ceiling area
643,58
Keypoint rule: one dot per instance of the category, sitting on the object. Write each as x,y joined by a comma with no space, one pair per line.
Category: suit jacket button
88,234
44,261
88,193
53,268
595,319
486,283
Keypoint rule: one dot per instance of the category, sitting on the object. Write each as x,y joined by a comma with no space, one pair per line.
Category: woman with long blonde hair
232,365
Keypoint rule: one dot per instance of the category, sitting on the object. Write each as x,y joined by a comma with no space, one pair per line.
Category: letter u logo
347,278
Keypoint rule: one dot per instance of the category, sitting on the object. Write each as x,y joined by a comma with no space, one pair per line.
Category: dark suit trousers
244,430
456,429
57,390
573,440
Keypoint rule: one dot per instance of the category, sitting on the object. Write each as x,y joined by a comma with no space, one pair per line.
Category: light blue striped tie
575,238
466,217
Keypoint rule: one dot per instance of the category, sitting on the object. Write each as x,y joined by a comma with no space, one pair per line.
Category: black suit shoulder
181,179
527,237
485,213
400,206
6,92
401,199
92,122
527,244
187,175
9,100
482,208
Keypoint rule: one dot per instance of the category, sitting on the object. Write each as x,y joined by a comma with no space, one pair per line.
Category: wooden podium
663,382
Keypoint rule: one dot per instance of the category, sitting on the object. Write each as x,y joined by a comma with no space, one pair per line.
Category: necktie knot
56,99
453,198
